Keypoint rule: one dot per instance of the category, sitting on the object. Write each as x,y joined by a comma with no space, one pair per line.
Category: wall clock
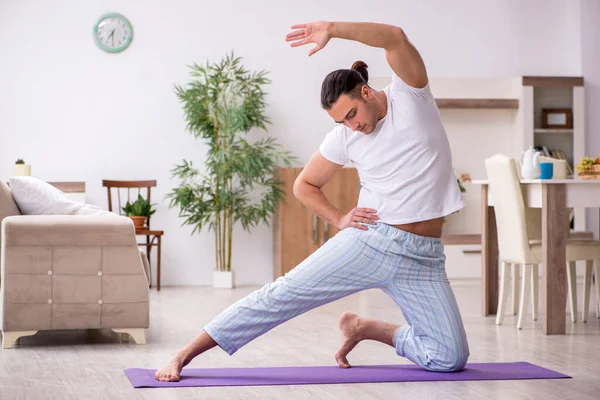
113,33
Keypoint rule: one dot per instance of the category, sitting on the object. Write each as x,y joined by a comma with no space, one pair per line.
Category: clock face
113,33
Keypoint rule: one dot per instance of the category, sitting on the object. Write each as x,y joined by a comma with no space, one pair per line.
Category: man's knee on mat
449,364
447,356
452,360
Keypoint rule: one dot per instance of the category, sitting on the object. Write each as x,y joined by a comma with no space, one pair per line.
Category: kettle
530,164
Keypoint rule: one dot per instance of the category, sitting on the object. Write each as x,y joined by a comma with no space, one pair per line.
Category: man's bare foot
351,330
172,371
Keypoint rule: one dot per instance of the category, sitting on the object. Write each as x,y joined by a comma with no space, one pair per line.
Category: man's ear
366,92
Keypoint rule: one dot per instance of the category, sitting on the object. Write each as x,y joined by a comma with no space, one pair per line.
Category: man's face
358,114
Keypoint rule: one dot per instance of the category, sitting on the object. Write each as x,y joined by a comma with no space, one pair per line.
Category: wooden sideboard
297,232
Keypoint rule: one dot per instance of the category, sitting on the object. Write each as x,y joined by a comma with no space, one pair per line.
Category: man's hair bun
361,68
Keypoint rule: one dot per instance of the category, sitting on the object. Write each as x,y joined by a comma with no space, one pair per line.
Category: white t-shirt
405,164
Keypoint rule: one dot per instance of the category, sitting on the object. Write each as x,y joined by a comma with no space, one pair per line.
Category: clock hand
113,37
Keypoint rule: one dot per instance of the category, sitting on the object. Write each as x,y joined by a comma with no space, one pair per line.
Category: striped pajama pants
408,267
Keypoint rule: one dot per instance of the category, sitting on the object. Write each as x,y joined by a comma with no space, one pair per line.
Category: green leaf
140,207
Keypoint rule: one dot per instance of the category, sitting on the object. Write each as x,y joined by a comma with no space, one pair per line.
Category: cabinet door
342,192
295,227
297,232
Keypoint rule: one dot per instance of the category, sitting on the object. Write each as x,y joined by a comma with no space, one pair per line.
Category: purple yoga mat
328,375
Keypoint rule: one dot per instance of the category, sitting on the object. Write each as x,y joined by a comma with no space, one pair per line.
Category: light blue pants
408,267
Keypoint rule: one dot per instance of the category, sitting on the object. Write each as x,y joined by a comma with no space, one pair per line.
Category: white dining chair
517,227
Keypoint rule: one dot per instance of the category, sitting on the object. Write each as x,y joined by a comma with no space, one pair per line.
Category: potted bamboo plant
222,103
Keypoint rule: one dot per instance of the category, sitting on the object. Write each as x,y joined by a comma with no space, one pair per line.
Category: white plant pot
22,170
223,279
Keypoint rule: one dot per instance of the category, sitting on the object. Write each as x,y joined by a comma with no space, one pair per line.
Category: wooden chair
153,237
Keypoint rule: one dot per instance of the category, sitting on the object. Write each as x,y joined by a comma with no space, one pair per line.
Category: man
392,240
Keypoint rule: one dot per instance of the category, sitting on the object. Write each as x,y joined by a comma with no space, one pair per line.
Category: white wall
77,113
590,64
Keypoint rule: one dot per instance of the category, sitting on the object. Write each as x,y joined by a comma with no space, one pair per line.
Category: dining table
554,197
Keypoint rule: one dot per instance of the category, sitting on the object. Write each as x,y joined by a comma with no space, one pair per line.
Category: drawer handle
471,251
314,227
326,230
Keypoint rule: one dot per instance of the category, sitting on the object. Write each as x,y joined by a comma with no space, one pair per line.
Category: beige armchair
70,272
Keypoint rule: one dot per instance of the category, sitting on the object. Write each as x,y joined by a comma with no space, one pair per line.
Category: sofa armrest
67,230
146,265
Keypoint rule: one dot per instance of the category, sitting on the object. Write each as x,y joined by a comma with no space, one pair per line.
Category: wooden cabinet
297,232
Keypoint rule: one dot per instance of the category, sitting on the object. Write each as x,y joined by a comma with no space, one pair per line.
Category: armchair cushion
36,197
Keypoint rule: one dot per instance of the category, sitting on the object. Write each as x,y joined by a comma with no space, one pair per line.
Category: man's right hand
312,32
357,217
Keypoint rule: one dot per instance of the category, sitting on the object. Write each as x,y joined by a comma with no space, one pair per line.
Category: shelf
564,81
581,235
463,238
555,131
508,104
69,187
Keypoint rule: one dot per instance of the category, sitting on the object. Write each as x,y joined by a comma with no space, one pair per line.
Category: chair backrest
130,189
533,216
509,207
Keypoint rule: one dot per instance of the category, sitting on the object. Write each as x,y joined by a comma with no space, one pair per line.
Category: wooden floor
90,364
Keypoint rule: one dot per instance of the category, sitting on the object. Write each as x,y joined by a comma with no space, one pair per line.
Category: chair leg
597,279
9,339
524,294
148,247
138,335
149,256
516,272
158,257
503,295
534,291
587,286
572,283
